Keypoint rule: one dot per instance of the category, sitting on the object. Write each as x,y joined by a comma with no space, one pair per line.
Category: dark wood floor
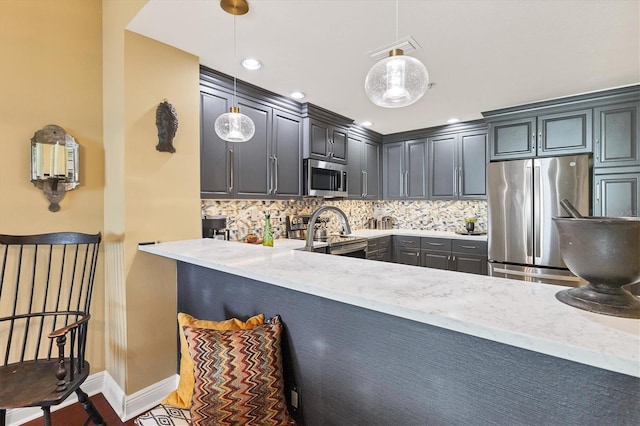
74,415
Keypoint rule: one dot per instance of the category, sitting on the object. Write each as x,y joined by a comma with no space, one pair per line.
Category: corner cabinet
363,168
325,134
404,170
616,189
267,166
457,166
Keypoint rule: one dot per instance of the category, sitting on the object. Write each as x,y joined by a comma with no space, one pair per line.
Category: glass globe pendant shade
396,80
234,126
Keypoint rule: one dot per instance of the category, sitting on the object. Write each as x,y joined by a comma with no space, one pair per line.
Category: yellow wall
51,73
162,200
71,63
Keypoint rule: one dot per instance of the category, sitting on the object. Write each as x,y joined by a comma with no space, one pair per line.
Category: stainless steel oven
324,179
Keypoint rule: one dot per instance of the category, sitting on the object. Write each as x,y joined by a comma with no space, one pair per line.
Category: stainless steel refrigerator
523,197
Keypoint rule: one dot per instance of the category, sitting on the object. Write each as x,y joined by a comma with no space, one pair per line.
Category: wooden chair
46,283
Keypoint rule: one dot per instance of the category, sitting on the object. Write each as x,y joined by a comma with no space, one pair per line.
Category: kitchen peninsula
377,343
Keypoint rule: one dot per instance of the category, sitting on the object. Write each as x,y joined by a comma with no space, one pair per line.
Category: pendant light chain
235,100
397,37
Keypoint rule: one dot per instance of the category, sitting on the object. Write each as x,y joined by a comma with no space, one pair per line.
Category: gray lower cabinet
616,194
616,134
457,166
406,250
404,171
268,166
454,254
469,256
379,249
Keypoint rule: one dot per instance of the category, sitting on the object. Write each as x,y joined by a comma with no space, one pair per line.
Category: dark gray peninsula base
356,366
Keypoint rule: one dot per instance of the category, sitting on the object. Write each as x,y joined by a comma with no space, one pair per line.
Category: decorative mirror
54,163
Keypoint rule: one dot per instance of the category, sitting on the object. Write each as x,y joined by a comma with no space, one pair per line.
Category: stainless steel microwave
324,179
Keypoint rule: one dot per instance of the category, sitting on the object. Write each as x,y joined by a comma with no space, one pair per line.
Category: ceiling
481,54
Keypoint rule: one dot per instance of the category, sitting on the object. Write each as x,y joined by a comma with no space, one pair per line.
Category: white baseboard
125,406
145,399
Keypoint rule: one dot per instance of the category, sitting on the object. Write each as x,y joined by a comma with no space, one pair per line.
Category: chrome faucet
314,217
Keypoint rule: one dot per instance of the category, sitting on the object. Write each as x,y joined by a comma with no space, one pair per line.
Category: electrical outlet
295,398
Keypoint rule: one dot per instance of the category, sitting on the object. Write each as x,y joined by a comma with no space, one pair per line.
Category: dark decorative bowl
604,251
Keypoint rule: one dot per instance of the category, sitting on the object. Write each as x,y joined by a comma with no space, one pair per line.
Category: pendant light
234,126
397,80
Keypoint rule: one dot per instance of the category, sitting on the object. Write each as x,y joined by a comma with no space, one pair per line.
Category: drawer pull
469,247
408,241
436,244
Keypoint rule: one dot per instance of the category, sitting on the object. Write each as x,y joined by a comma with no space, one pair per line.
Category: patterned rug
164,415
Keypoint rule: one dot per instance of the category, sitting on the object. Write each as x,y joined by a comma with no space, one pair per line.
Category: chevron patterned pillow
238,376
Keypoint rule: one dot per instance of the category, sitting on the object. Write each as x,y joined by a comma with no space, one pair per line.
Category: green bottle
267,238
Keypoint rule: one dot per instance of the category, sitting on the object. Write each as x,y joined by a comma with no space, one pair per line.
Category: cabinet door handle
533,141
406,184
230,169
455,181
275,165
460,179
598,192
270,175
540,140
364,183
597,149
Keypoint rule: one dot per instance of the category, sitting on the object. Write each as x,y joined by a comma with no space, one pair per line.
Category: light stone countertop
517,313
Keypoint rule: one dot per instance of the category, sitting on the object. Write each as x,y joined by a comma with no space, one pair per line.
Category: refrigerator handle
529,219
538,208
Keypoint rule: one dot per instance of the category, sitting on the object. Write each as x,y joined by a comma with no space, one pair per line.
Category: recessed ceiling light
366,124
252,64
298,94
453,120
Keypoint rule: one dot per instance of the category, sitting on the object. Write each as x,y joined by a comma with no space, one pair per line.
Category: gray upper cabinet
371,161
363,167
405,170
457,166
559,133
565,133
513,139
267,166
327,142
616,189
250,173
286,155
355,171
393,171
325,134
616,133
472,163
216,155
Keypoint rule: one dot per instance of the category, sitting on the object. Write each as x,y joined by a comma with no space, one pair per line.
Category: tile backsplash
248,216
